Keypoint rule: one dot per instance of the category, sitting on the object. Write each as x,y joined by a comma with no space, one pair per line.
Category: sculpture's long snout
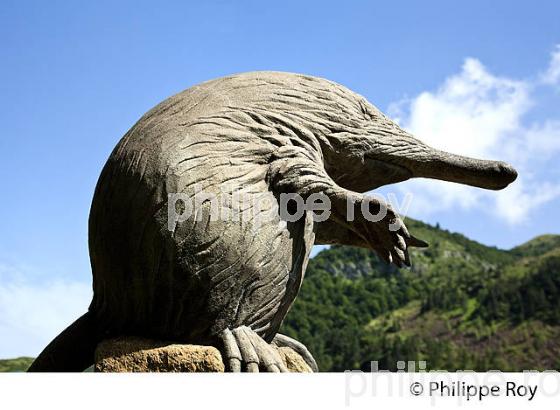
464,170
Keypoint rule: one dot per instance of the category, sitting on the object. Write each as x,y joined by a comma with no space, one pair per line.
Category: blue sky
76,75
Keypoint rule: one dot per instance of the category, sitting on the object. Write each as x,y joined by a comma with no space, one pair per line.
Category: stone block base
144,355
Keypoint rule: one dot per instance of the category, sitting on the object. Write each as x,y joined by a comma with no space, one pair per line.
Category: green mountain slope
463,305
537,246
19,364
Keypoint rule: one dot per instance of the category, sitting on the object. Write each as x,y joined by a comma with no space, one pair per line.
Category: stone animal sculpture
229,283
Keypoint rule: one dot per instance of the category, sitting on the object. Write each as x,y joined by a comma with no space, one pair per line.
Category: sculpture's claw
269,358
246,350
419,243
401,243
388,236
250,357
407,258
232,354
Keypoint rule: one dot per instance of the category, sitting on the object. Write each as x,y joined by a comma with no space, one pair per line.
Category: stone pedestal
143,355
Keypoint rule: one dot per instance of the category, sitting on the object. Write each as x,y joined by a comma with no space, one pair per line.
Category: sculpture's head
363,149
381,153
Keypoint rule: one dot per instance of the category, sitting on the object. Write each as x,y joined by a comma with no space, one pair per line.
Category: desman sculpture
230,283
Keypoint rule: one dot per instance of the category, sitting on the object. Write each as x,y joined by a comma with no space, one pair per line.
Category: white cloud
515,202
33,313
552,74
479,114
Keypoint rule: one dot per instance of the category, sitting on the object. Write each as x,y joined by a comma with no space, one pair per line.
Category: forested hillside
462,305
19,364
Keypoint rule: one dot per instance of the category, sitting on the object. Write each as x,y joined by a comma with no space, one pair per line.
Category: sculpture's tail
72,350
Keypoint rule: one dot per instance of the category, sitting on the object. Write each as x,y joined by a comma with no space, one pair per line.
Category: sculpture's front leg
355,219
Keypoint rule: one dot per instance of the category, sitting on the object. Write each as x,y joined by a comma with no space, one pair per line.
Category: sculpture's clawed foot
244,349
388,236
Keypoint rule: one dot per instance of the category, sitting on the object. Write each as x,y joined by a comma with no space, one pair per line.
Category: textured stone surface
293,361
143,355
